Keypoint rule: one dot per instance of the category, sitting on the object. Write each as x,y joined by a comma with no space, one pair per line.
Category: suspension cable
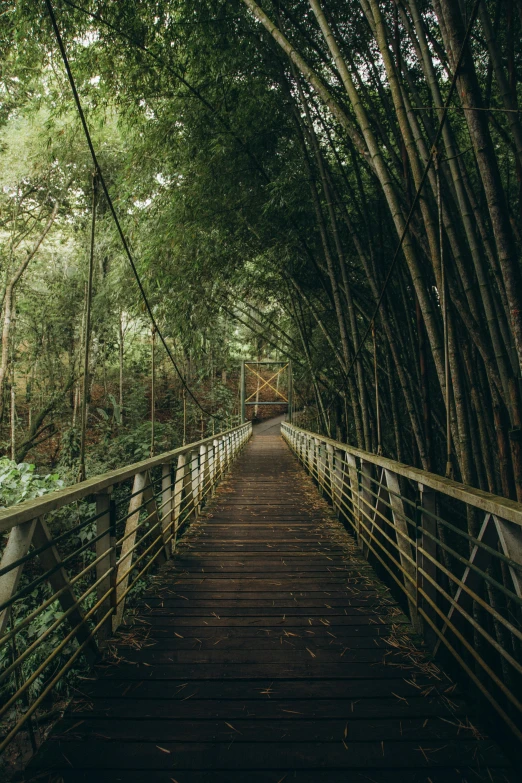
87,333
113,210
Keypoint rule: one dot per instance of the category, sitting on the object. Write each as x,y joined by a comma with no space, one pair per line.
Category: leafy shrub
20,482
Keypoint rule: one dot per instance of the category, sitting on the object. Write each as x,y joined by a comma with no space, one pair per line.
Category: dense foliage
265,161
263,168
20,482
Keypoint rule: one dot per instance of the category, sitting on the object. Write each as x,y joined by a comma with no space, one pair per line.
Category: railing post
329,463
315,458
223,456
319,463
366,497
179,485
166,504
220,457
404,543
106,566
51,561
354,491
227,452
426,557
17,546
194,476
202,474
215,461
211,465
310,454
338,482
127,547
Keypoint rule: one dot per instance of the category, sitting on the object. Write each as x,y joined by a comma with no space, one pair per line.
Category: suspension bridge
266,606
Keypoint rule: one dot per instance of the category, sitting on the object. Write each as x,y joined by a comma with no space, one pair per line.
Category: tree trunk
9,304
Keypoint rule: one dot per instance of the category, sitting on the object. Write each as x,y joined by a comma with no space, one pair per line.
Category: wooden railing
463,589
72,559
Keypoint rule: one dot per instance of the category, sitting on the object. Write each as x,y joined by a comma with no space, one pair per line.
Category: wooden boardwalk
268,651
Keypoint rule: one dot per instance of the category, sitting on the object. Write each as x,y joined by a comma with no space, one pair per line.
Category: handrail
93,564
461,575
29,509
506,508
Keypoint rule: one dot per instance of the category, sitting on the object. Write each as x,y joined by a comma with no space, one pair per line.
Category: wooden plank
442,775
270,709
308,691
280,729
267,755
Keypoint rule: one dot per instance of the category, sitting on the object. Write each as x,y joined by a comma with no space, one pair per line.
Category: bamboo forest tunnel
301,219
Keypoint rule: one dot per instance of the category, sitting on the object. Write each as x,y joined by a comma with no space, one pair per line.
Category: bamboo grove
341,181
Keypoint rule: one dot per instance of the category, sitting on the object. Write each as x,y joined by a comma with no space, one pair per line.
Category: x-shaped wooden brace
266,383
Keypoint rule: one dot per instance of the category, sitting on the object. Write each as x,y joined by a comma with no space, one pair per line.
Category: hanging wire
87,333
112,209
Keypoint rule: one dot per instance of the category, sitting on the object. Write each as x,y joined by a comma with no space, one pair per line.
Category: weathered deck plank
268,650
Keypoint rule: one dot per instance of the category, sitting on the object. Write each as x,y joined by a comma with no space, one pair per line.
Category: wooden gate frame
246,365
